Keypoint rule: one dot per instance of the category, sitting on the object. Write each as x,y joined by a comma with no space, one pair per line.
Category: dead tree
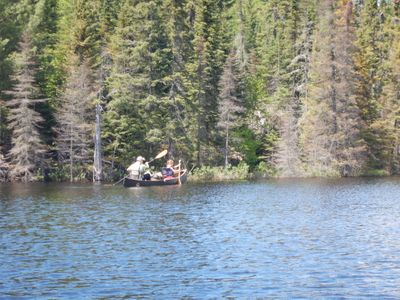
230,105
27,154
74,117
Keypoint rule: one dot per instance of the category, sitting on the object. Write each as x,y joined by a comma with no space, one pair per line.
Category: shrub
376,173
207,173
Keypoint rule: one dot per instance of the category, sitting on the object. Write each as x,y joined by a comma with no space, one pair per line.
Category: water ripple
297,239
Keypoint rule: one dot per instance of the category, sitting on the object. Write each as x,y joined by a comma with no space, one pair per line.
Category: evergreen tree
330,129
210,42
13,18
27,152
317,123
10,31
138,114
287,158
230,105
315,83
78,33
43,25
271,81
387,126
180,34
85,29
368,60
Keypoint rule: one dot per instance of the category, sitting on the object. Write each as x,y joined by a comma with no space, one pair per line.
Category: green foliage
139,82
376,173
249,146
372,49
317,82
10,31
264,170
60,172
204,174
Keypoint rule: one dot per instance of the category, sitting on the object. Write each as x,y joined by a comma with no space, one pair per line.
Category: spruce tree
271,80
368,58
138,114
43,25
210,42
387,125
331,138
27,152
13,19
10,32
318,121
180,34
230,104
287,159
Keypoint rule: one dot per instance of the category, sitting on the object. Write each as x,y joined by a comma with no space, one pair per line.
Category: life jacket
136,169
167,172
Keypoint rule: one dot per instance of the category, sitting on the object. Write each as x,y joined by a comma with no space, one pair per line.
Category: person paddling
137,169
169,171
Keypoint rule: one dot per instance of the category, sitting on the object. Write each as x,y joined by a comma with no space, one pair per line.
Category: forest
286,88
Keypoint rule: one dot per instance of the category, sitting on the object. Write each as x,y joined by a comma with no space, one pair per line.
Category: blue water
279,239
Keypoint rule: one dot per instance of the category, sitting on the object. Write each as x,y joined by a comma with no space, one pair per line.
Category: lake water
280,239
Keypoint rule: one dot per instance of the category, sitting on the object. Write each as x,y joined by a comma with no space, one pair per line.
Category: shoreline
251,178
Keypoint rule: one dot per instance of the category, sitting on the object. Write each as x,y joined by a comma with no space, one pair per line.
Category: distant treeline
286,87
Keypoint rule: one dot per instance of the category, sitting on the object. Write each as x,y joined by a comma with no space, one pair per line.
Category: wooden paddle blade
161,154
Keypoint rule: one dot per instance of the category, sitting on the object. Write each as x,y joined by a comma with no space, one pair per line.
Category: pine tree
210,42
27,152
248,27
10,32
330,128
368,59
272,80
43,25
139,83
78,33
12,16
287,158
230,105
85,28
180,34
387,125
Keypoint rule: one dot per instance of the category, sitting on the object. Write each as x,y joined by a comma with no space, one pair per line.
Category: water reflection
279,238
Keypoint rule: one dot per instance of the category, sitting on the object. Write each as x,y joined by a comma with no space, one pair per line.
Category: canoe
129,182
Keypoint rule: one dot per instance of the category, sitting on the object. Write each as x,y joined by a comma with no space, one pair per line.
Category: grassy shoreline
242,172
205,174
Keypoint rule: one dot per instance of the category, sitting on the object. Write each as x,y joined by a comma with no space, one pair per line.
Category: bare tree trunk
113,159
226,146
170,148
98,167
71,175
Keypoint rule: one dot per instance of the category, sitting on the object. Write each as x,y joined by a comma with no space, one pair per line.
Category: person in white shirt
137,169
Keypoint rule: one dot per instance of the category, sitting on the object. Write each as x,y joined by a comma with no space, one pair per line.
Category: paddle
179,176
159,155
120,180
